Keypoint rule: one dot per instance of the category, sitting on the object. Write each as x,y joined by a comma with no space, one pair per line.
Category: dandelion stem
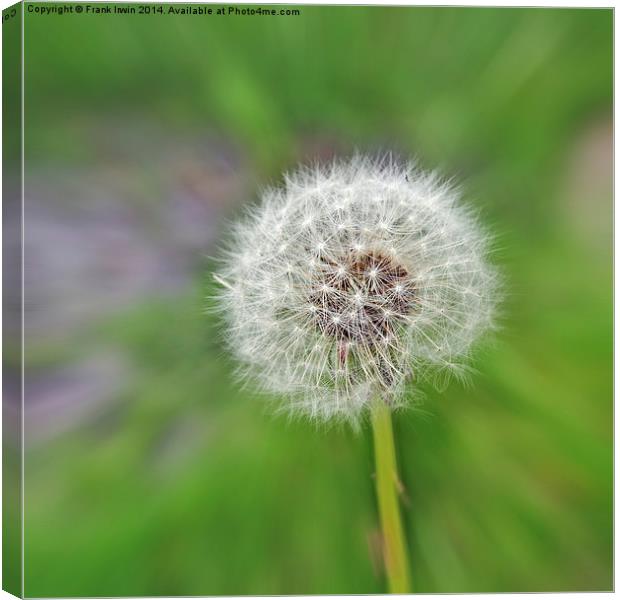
394,544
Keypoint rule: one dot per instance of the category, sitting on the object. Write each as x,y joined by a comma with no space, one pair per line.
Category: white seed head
351,280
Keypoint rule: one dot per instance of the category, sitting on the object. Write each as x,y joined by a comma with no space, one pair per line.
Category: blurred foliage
187,485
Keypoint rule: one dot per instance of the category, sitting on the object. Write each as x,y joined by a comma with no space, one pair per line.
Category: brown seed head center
363,297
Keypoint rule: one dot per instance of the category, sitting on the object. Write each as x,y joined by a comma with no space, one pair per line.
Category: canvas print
305,300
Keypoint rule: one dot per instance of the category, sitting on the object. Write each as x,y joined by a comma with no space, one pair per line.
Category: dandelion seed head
375,275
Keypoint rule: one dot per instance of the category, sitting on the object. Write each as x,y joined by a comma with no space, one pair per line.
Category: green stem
394,545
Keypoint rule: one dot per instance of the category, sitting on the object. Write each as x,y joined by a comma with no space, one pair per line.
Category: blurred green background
149,470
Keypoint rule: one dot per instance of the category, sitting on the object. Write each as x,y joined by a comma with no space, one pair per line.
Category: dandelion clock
344,289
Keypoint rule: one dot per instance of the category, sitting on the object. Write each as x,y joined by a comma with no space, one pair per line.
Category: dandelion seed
332,315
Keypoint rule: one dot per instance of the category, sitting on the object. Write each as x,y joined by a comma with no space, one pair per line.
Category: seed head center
362,297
